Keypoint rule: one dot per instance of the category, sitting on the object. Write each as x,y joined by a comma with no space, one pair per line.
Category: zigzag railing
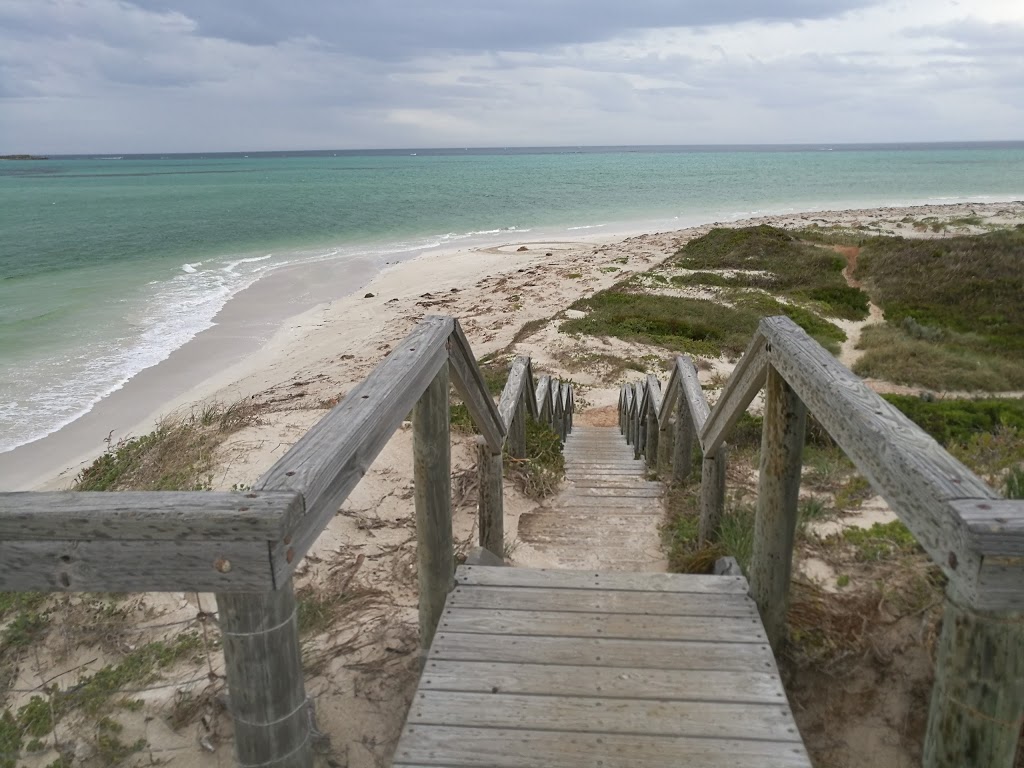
973,535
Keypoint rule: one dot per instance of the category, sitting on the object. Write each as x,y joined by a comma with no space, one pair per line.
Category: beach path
618,666
607,514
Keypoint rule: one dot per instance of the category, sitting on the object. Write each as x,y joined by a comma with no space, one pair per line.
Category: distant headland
23,157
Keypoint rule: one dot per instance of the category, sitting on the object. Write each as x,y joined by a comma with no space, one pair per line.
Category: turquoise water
109,264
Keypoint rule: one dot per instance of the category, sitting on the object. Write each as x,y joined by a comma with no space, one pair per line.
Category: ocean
108,264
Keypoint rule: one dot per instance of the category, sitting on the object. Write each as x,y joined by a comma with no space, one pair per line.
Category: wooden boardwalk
581,668
607,515
543,669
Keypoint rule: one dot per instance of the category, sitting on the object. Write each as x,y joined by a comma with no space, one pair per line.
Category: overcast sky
81,76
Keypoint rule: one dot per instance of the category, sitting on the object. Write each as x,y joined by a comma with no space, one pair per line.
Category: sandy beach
365,668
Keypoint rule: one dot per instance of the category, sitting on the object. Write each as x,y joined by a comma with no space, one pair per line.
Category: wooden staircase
607,515
619,666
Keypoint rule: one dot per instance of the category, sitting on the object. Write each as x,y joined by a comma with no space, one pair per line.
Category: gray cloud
399,28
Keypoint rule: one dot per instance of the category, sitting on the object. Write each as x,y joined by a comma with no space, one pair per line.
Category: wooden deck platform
551,669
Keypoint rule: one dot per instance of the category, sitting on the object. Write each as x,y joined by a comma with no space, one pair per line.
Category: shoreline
259,341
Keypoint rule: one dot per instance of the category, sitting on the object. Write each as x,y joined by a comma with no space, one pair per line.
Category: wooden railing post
782,443
666,441
558,414
651,449
266,691
977,705
491,505
431,448
712,493
517,431
684,437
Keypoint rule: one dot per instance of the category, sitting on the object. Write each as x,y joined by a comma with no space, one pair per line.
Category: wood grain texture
782,443
490,502
712,493
977,703
606,601
915,475
148,515
611,682
745,382
109,565
720,629
544,405
467,576
512,394
648,654
684,439
329,460
266,694
515,748
432,492
517,431
469,383
710,719
653,428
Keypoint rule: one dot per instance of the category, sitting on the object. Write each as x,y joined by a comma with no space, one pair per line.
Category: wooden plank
670,393
722,629
529,395
708,719
692,392
914,474
517,432
620,682
490,500
690,583
745,382
778,492
135,566
649,654
685,439
995,526
712,493
653,428
544,410
977,703
330,459
557,410
512,394
266,694
469,383
518,748
432,493
601,601
148,515
626,493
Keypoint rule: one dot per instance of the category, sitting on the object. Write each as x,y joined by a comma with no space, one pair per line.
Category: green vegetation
772,259
955,363
881,541
960,421
177,456
541,472
955,317
766,261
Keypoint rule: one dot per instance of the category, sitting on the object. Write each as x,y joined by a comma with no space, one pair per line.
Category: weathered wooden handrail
245,547
519,398
976,538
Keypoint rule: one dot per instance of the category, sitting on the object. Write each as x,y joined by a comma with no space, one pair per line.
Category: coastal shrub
177,456
970,284
959,421
953,364
825,333
773,259
541,472
691,325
